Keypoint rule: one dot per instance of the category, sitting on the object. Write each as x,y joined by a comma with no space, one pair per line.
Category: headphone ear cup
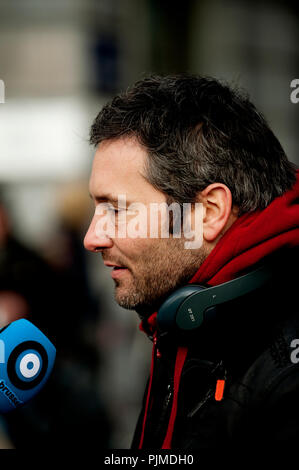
167,318
190,316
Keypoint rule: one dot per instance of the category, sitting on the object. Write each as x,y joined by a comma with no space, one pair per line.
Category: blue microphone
26,361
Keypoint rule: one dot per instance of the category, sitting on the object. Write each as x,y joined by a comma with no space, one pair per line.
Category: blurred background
60,60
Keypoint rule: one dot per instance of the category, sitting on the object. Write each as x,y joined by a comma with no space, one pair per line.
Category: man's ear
218,213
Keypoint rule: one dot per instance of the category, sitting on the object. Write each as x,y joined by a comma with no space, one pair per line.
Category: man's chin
130,299
142,309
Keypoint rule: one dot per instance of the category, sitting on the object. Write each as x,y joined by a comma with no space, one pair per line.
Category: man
193,140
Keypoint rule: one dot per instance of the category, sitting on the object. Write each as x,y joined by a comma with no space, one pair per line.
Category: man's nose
96,241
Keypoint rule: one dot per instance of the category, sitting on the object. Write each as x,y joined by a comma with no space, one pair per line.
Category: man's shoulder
279,362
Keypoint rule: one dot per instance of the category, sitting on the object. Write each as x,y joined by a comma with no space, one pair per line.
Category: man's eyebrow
107,198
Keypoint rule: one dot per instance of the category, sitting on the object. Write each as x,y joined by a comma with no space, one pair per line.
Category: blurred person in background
190,139
69,411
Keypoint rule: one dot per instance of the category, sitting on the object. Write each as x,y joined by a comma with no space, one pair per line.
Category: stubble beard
162,269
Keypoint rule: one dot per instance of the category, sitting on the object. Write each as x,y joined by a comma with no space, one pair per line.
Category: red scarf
250,238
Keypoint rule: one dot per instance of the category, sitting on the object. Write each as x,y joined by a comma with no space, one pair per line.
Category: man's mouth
117,270
113,265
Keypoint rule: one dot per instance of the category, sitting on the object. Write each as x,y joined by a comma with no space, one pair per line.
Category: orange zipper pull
219,389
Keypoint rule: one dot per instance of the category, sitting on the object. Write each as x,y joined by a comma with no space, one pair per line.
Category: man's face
150,267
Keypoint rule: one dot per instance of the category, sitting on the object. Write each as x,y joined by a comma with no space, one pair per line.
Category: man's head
179,139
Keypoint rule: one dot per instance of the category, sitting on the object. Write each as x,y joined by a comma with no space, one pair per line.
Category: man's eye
114,210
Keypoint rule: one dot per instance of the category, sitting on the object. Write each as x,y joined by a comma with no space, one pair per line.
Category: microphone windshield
26,361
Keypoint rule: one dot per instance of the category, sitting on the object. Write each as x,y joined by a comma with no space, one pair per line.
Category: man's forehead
125,151
118,166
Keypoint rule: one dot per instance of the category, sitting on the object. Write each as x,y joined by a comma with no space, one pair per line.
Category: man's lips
117,270
113,265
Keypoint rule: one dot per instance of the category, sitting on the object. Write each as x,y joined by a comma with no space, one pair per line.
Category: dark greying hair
199,131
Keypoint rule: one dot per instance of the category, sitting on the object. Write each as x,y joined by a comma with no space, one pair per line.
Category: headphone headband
189,306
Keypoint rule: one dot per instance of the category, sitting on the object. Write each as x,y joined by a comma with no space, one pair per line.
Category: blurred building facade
60,61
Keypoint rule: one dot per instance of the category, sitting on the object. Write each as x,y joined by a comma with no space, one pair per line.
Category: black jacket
249,344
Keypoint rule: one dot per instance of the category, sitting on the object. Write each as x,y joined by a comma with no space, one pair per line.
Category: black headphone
190,306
